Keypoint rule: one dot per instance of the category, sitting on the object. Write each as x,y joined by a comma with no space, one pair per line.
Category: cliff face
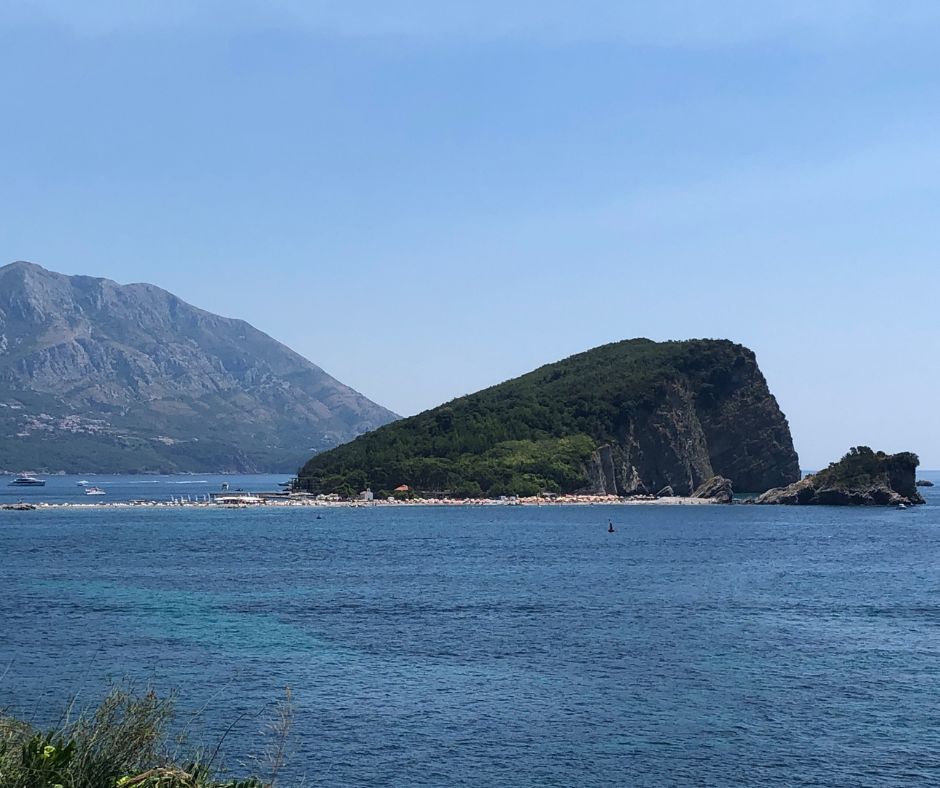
731,427
664,446
861,478
632,417
95,376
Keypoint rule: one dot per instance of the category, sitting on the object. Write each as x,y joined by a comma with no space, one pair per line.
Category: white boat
83,483
27,480
94,491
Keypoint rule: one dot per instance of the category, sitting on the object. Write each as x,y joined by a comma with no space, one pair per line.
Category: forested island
629,418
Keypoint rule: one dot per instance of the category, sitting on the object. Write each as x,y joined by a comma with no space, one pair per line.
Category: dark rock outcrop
731,427
717,489
861,478
98,377
924,483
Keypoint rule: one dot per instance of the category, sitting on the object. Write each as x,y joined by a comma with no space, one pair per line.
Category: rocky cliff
715,489
730,426
628,418
861,478
96,377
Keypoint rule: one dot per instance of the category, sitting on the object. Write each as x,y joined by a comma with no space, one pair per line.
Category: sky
427,197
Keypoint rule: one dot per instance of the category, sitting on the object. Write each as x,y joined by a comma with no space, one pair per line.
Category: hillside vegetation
655,403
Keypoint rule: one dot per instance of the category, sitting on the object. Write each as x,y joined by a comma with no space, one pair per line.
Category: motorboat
27,480
94,491
83,483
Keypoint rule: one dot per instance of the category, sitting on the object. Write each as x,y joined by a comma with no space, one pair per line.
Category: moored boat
94,491
27,480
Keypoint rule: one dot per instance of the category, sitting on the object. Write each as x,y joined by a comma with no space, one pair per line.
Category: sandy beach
261,500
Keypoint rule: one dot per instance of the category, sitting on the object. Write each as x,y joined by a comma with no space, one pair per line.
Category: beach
281,501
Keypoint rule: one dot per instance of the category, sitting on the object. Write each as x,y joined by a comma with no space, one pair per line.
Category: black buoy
610,526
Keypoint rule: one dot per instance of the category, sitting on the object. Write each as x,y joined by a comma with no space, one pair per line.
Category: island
632,418
863,477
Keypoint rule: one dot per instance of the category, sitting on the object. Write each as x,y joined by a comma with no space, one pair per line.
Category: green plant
125,742
44,762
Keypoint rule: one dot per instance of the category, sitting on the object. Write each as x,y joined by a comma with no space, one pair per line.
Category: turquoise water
502,645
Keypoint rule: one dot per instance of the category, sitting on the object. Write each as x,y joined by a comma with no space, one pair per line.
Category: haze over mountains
97,376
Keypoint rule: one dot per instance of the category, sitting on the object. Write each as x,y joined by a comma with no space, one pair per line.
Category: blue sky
426,198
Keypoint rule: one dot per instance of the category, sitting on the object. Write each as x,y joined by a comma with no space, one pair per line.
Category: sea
492,645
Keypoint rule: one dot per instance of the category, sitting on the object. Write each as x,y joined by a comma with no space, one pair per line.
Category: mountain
630,417
98,377
861,478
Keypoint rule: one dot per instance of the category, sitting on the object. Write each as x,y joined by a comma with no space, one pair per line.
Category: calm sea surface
514,646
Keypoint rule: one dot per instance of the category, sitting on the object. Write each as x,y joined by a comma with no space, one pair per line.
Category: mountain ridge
133,378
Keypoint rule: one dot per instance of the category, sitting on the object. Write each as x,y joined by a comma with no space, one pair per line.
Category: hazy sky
426,197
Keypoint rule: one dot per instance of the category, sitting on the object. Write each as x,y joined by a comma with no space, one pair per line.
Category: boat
27,480
83,483
94,491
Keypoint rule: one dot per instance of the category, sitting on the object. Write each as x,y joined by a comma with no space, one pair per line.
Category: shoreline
276,503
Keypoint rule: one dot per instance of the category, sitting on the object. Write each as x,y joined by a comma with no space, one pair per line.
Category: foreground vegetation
126,742
531,434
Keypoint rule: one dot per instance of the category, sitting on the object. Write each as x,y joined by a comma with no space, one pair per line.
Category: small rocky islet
863,477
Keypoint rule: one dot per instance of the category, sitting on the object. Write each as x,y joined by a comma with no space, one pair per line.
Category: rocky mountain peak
156,376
